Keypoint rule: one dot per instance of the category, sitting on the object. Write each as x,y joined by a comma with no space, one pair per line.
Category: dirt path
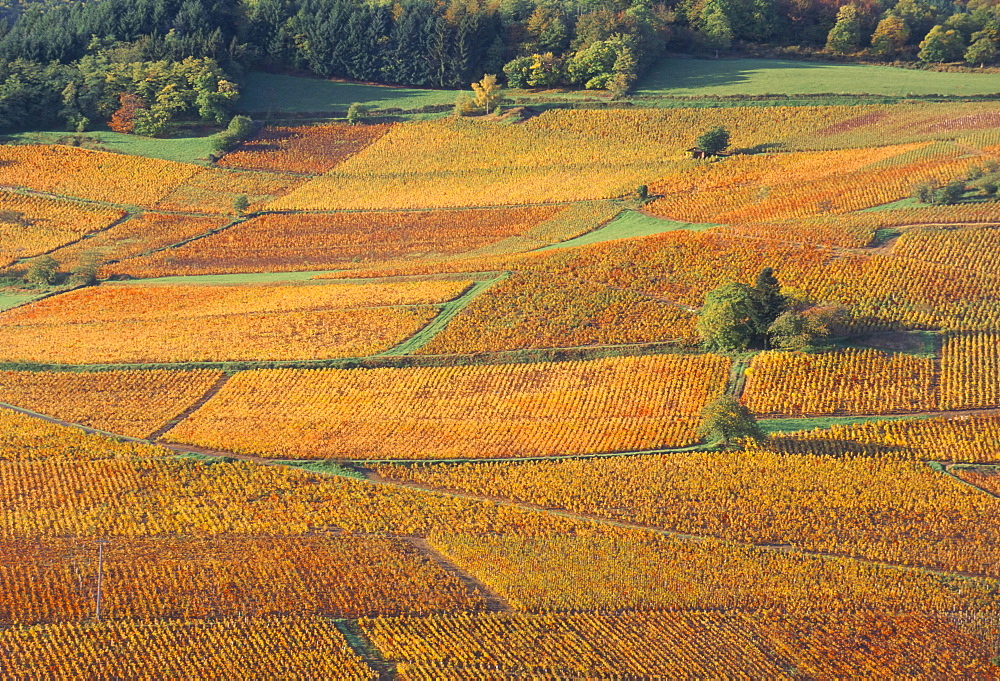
69,424
195,406
494,603
946,469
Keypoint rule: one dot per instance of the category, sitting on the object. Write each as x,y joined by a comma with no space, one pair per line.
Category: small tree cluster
738,317
356,113
486,97
123,119
44,271
985,179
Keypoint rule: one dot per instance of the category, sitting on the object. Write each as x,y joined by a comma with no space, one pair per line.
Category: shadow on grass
834,448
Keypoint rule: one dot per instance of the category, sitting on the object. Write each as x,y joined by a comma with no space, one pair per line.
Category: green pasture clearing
774,426
627,225
684,77
913,203
323,467
268,93
9,300
191,149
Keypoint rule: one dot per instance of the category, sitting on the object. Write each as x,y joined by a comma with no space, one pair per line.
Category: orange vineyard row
26,438
133,403
624,570
253,649
304,149
466,411
31,225
195,322
52,581
679,645
862,507
842,382
61,497
346,240
528,310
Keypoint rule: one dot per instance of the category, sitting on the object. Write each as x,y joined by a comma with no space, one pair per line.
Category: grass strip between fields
946,469
524,356
629,224
438,324
794,425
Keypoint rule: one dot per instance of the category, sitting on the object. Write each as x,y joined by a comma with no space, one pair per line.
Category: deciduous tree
729,421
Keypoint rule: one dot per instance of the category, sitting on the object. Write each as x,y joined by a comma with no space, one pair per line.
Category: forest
68,64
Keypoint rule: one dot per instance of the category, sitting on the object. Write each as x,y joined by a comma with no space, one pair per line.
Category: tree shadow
14,217
762,148
833,447
704,73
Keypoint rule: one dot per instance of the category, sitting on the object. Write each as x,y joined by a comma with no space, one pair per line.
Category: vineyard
346,240
191,323
30,225
133,403
628,403
423,396
857,506
336,576
305,149
846,382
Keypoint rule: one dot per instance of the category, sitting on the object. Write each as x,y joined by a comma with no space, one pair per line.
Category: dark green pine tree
406,62
767,291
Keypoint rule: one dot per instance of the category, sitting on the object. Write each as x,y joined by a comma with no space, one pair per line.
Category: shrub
356,113
43,271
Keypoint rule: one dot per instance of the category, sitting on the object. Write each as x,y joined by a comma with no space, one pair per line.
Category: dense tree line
45,45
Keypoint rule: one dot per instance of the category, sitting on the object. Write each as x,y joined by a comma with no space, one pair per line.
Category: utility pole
100,577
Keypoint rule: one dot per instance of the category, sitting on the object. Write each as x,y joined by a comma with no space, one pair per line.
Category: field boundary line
494,602
448,311
676,534
192,408
942,467
128,215
523,356
362,646
71,424
373,478
127,207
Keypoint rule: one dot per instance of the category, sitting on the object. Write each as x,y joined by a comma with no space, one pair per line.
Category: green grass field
726,77
265,93
627,225
9,300
183,149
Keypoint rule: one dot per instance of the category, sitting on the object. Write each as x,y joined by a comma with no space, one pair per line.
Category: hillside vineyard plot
133,403
765,496
347,240
421,397
229,576
303,149
672,644
192,323
454,412
30,225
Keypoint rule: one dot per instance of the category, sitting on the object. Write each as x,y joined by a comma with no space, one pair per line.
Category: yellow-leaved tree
488,93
